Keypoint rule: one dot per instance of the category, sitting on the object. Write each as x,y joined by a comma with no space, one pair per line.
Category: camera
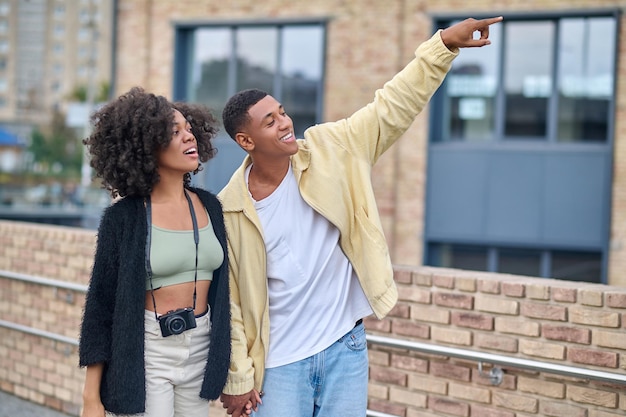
177,321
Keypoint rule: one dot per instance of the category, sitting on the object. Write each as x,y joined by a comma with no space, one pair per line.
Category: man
308,258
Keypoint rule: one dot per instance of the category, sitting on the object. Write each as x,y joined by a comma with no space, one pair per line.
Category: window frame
213,176
437,117
183,53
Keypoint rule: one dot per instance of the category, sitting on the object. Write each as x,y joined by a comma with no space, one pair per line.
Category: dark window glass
211,57
544,79
567,265
577,266
257,51
458,256
471,87
519,262
301,74
528,67
586,56
286,60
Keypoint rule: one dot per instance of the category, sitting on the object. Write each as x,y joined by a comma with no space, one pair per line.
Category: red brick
561,409
388,375
447,406
387,408
566,333
443,281
593,357
567,295
513,289
422,278
472,320
409,363
409,328
445,370
489,286
463,301
544,311
496,342
372,323
616,300
416,294
479,410
402,276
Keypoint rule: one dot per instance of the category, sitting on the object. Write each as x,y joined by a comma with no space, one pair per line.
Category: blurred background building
518,164
55,64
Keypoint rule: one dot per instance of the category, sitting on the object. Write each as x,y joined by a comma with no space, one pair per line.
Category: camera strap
196,239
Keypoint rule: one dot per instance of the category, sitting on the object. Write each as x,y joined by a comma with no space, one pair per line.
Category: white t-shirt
314,295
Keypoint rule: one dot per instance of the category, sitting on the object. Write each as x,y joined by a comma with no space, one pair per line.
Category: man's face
270,129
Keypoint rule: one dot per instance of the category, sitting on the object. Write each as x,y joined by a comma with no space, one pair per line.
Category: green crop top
173,256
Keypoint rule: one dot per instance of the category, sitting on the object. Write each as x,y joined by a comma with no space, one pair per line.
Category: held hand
241,405
461,35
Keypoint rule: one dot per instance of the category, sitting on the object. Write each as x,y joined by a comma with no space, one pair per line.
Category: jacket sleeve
370,131
95,333
241,372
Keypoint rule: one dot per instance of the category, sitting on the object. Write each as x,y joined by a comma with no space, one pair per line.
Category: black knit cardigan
112,330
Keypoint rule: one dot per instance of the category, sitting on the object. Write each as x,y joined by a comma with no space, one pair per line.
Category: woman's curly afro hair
129,132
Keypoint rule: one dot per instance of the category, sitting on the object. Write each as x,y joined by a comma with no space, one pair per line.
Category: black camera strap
196,239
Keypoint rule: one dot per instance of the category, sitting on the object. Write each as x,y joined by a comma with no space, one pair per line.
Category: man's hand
461,35
240,405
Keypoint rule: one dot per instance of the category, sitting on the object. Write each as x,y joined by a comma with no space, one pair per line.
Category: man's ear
245,141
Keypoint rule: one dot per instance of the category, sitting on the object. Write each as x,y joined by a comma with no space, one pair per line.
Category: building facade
516,166
48,50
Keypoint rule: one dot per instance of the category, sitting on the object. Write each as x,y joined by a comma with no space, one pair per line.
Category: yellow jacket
332,168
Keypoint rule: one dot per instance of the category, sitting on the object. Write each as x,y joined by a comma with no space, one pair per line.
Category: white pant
175,369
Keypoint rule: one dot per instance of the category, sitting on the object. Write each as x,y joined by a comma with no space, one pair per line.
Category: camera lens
175,324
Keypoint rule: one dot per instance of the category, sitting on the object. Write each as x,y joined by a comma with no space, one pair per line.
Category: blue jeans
331,383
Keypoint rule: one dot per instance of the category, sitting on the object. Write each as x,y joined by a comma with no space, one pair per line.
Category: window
214,62
59,11
568,265
545,80
469,257
285,60
59,30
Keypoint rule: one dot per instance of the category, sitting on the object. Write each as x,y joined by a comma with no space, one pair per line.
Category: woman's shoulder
122,208
205,196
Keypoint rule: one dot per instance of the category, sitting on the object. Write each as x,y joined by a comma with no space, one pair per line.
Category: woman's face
181,155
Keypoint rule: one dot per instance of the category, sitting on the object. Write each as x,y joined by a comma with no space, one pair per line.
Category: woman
155,335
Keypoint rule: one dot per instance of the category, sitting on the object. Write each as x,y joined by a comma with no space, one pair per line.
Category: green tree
56,149
79,93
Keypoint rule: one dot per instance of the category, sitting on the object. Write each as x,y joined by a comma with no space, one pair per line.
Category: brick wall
559,322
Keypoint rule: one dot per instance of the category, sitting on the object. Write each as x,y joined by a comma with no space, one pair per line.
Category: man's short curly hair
235,114
129,132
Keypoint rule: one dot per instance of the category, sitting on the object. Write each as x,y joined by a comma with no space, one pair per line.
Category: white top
314,295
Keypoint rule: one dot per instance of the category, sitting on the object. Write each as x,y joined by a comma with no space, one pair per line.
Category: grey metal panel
456,204
576,198
518,197
513,194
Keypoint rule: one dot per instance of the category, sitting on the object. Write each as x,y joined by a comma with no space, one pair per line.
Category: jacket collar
235,196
